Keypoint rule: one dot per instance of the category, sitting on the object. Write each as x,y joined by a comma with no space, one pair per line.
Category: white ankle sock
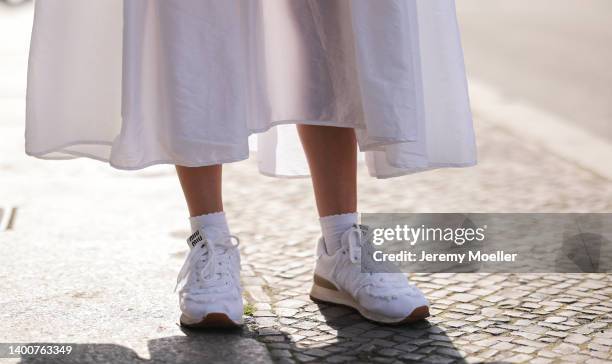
333,226
214,225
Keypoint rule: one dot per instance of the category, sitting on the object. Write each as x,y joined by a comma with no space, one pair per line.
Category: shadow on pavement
233,346
362,341
357,341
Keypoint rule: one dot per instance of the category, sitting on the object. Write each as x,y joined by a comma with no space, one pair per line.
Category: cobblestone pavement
535,318
476,317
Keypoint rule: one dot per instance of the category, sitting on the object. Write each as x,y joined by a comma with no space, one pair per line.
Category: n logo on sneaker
195,238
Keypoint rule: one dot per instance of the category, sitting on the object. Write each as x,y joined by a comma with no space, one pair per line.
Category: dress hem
375,142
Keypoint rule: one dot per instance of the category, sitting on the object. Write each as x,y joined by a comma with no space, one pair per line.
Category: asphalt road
553,54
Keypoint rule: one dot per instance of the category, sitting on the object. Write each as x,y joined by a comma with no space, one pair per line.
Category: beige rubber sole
211,321
325,292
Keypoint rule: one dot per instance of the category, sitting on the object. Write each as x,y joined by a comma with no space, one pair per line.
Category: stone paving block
520,358
598,347
502,346
450,352
463,297
566,349
291,303
316,352
389,352
524,349
377,333
281,353
302,358
597,361
437,359
272,339
548,354
603,341
488,353
341,359
266,331
558,334
305,325
598,354
263,314
576,339
540,361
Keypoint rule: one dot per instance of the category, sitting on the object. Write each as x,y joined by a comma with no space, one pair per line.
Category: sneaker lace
380,275
211,272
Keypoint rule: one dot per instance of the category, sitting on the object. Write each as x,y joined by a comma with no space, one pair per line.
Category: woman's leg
201,305
332,158
202,188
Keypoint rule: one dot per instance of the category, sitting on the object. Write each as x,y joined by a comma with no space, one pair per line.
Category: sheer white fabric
144,82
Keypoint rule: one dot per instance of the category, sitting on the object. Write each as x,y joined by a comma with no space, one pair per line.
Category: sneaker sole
332,295
211,321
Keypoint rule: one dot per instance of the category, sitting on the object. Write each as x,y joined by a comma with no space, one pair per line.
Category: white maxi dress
143,82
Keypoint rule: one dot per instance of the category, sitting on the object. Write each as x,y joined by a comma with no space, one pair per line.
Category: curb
559,136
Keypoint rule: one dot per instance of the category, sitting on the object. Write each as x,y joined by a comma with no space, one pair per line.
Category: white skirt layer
186,82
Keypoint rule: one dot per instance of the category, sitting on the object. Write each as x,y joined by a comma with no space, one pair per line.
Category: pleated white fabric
143,82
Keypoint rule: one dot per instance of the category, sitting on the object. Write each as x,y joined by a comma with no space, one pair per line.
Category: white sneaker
382,297
209,281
